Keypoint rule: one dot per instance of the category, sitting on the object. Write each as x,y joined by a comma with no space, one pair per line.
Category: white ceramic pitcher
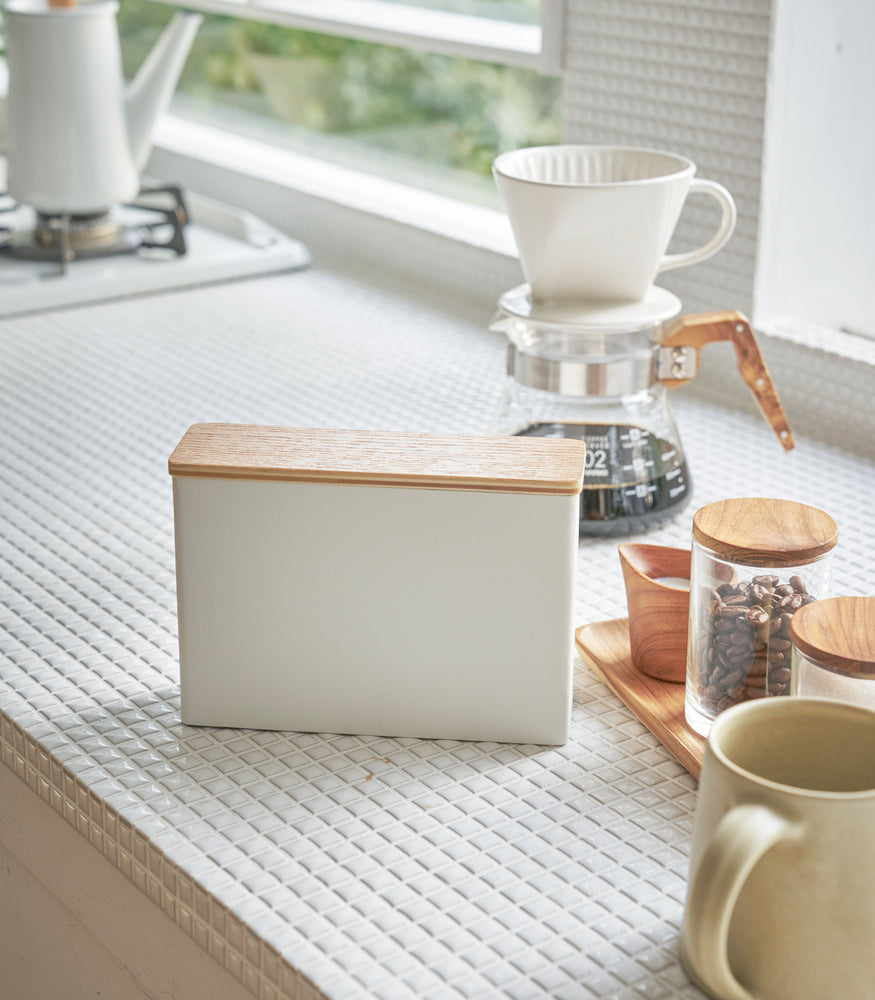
77,138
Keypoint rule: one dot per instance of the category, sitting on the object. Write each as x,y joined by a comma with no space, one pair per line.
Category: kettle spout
149,93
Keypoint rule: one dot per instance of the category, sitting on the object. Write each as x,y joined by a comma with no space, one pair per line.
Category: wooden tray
604,647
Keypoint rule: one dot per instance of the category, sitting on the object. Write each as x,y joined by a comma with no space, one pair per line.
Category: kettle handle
706,328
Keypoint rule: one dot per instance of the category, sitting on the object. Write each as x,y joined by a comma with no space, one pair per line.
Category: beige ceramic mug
781,898
594,222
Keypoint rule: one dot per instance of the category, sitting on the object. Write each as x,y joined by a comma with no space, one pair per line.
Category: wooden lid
374,458
758,531
838,632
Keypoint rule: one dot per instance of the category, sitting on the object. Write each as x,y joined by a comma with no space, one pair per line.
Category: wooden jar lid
759,531
838,632
378,458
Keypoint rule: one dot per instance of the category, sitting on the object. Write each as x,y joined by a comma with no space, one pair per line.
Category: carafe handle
705,328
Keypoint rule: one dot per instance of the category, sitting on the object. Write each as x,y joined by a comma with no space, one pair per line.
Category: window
453,87
515,32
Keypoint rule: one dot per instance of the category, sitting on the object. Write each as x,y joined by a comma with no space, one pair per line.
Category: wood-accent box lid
379,458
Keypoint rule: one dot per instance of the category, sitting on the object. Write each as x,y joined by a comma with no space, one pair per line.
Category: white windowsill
851,346
474,225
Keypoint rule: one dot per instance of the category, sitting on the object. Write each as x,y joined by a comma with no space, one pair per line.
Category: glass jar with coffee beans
755,562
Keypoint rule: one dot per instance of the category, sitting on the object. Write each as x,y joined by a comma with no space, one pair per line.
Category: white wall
817,232
776,100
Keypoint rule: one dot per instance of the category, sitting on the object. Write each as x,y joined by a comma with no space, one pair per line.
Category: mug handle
741,838
726,229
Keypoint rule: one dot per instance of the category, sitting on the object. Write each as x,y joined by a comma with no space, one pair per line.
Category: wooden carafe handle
705,328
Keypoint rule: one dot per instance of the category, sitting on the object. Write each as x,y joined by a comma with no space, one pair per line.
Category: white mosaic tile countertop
334,866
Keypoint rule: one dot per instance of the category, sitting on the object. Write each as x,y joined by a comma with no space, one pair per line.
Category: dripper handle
705,328
729,215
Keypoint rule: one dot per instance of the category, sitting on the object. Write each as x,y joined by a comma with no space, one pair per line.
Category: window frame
538,46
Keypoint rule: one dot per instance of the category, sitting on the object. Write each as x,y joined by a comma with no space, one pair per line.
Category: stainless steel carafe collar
566,376
585,350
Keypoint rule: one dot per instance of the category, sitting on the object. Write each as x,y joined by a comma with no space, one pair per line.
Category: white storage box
373,583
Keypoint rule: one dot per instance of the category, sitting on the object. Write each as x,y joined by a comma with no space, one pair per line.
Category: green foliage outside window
447,112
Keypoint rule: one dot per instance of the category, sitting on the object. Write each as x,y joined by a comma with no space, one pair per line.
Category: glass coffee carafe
600,373
593,343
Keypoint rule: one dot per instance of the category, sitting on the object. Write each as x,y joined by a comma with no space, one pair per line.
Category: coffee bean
757,615
758,667
785,619
724,624
737,654
741,638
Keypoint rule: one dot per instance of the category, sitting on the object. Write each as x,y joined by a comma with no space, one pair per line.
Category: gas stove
165,240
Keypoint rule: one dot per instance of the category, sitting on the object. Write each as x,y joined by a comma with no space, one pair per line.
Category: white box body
353,607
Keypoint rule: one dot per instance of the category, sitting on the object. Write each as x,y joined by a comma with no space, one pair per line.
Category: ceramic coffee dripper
658,597
594,222
780,902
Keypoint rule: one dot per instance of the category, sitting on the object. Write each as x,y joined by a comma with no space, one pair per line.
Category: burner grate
154,223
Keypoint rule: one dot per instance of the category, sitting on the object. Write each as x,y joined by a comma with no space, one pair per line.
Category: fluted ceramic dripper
594,222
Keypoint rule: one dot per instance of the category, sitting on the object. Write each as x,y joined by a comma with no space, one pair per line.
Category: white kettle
77,139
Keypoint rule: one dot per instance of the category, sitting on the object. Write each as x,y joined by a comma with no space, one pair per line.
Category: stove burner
154,223
84,233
